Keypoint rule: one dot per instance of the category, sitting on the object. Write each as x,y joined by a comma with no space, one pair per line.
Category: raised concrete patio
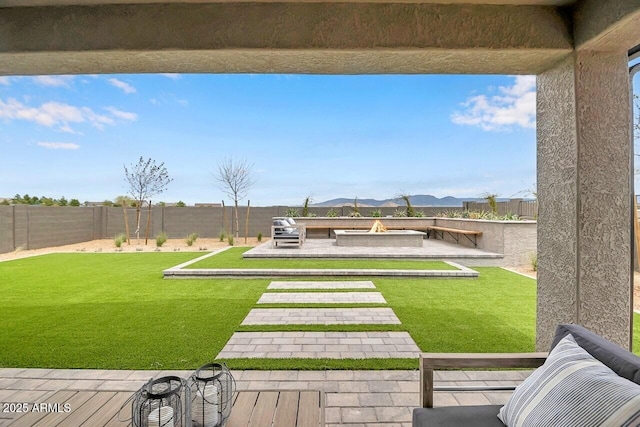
430,250
353,398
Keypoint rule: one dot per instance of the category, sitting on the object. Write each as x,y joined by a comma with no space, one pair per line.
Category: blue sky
323,136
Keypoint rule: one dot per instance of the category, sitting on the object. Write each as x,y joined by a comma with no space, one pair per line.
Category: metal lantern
163,402
212,387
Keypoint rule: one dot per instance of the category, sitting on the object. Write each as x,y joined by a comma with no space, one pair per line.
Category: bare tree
235,179
146,179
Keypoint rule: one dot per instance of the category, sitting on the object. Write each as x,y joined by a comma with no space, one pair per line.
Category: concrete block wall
6,229
33,227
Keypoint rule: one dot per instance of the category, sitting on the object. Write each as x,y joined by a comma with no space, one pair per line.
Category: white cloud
183,102
4,80
126,87
53,114
54,81
172,76
514,106
59,145
124,115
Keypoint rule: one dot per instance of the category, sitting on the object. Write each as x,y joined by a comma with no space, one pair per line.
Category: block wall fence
35,227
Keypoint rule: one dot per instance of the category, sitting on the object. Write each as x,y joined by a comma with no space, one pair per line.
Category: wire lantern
163,402
212,388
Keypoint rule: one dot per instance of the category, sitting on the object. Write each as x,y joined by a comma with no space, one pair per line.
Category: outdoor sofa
553,394
285,231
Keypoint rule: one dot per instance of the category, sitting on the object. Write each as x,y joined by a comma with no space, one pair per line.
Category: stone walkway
364,284
353,398
321,316
322,298
319,345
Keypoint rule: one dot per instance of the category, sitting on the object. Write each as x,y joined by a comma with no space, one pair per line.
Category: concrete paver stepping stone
321,316
322,298
312,345
362,284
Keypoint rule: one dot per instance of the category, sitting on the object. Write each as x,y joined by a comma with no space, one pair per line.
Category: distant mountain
417,200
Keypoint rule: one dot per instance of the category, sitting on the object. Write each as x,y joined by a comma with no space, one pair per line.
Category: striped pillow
573,388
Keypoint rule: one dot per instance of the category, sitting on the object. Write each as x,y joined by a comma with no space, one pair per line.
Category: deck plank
287,410
75,402
110,410
32,418
309,411
265,409
80,415
243,408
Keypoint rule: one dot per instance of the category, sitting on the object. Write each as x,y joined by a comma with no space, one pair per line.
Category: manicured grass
115,311
232,258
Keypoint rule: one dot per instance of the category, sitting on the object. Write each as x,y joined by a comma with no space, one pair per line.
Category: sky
367,136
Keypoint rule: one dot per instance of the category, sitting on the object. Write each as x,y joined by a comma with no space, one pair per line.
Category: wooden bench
271,408
455,233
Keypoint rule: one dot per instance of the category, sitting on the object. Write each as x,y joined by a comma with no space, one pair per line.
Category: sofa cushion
573,388
621,361
447,416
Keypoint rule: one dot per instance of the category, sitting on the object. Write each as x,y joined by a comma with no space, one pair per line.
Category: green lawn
115,311
232,258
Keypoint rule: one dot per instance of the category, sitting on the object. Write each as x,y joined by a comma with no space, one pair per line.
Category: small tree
235,179
305,207
492,200
145,179
407,200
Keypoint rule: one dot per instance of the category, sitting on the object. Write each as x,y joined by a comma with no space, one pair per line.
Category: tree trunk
138,212
236,222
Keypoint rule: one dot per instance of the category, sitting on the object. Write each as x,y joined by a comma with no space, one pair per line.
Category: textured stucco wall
584,196
350,37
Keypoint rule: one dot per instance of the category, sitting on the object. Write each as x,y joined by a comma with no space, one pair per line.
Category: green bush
376,213
259,237
533,258
161,239
191,238
222,235
292,213
419,214
332,213
399,213
230,240
119,240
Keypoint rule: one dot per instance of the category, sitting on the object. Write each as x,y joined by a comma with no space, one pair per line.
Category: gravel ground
107,245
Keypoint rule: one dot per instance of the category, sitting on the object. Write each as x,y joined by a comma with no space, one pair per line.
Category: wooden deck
294,408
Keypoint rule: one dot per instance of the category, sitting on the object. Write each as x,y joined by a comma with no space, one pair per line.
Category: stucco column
584,196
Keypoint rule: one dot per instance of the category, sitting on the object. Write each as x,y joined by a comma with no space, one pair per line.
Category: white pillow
573,388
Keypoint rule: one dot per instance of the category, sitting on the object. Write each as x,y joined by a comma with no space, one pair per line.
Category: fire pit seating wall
516,240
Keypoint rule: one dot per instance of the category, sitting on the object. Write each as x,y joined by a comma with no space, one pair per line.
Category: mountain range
416,200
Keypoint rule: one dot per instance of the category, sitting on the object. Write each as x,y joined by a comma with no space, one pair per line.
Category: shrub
354,214
292,213
418,214
222,235
180,204
119,240
161,239
533,259
332,213
400,213
230,240
259,237
191,238
376,213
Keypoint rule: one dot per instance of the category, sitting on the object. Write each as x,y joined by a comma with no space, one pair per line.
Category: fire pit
379,236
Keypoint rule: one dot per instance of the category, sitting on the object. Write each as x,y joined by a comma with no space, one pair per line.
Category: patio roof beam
607,25
282,37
